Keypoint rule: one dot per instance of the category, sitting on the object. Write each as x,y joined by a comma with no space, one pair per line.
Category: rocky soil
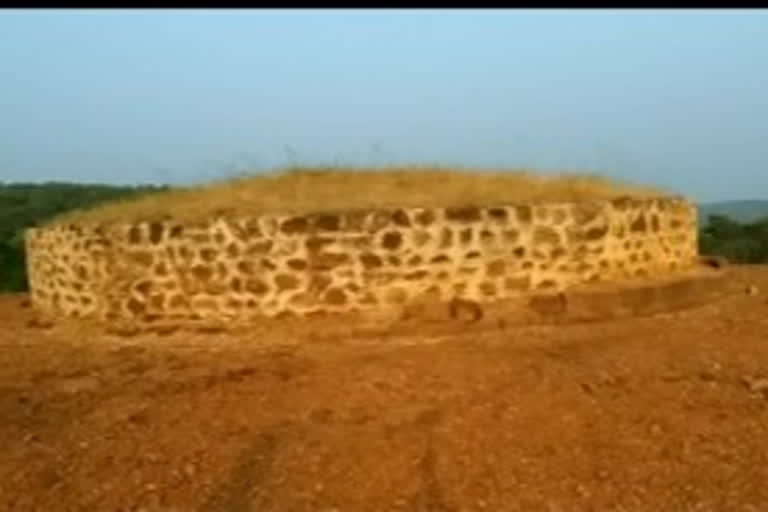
668,412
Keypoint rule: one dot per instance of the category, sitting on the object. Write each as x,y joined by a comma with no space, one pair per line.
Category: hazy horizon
669,98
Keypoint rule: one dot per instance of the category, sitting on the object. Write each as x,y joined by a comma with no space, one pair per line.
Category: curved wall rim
248,268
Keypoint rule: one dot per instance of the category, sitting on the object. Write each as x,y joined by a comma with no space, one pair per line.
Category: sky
677,99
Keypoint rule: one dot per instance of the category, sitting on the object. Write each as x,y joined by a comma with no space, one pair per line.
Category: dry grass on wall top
306,190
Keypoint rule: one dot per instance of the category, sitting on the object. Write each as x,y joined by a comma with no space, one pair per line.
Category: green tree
25,205
740,243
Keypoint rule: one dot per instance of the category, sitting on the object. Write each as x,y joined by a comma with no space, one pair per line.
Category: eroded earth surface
668,412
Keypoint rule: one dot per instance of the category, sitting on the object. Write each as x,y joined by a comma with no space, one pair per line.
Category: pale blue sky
678,99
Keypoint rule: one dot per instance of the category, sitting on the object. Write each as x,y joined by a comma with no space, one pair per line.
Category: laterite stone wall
249,268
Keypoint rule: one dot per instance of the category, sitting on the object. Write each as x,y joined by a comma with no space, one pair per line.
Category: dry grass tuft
305,190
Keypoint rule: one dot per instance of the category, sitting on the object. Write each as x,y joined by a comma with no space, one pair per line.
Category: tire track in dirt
253,468
430,496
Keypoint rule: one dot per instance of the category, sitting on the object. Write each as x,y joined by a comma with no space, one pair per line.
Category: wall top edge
229,216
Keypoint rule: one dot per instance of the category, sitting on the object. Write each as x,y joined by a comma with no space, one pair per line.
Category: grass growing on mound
317,189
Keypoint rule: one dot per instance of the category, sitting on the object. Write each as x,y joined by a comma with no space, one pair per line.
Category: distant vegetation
738,242
28,205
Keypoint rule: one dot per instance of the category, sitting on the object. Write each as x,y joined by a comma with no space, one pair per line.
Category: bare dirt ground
668,413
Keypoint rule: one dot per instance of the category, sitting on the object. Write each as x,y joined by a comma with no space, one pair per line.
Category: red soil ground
668,412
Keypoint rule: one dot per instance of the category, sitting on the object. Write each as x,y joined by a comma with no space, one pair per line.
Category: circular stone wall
242,269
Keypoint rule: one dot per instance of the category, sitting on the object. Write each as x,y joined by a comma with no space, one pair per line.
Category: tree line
738,242
28,205
24,205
